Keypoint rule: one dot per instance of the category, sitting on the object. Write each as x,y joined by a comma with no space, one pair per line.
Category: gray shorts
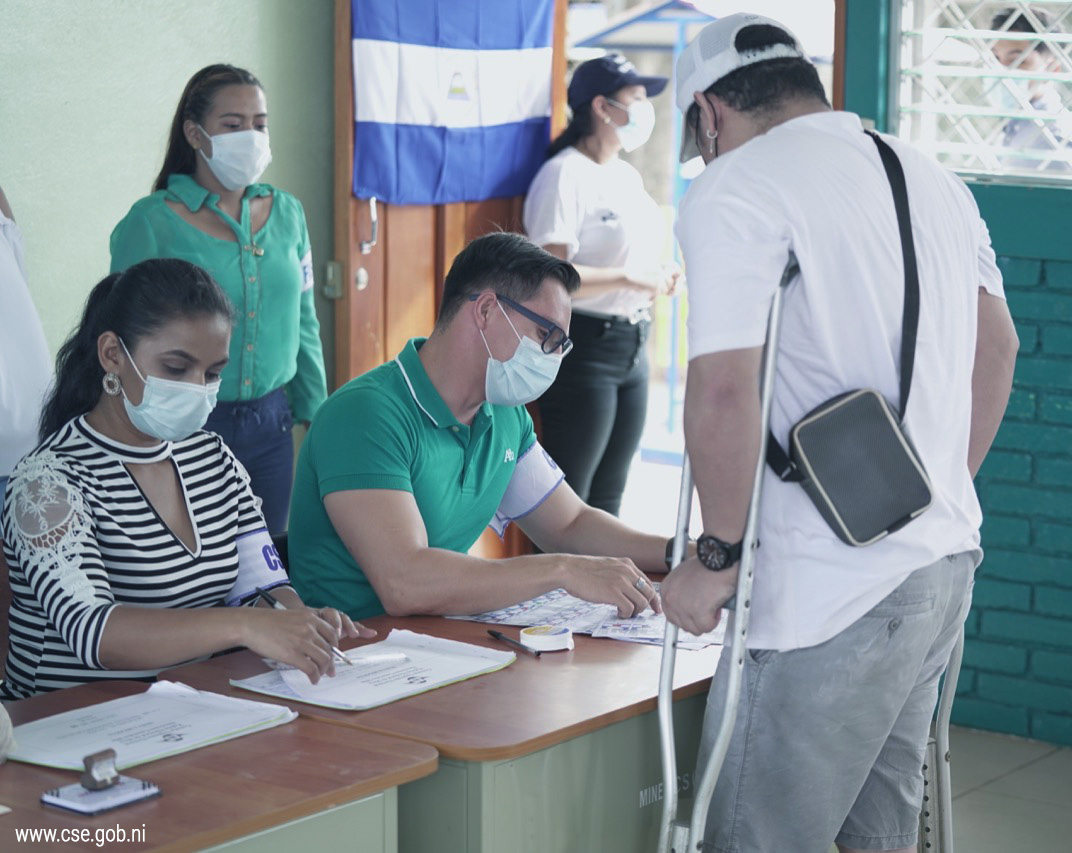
829,742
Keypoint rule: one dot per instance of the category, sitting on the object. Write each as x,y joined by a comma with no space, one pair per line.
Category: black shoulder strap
777,458
910,323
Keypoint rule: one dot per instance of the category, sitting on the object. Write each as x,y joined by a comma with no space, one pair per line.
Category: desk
559,753
304,783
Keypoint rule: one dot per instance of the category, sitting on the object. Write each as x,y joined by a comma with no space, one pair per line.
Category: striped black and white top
80,538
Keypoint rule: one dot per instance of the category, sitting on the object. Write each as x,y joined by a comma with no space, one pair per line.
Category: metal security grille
986,87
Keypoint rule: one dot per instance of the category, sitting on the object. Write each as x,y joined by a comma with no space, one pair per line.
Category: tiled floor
1009,795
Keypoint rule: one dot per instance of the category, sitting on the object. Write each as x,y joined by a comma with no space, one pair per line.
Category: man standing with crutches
863,576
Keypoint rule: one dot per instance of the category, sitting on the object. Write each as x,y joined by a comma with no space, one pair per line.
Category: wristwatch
715,554
670,552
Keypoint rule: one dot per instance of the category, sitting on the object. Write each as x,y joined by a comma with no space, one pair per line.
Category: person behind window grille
1034,136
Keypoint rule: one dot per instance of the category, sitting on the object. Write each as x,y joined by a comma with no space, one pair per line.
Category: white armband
259,567
535,477
307,271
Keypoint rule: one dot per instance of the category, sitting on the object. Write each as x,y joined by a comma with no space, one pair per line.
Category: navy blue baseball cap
607,75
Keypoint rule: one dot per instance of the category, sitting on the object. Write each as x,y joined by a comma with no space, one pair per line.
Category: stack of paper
166,719
402,665
563,610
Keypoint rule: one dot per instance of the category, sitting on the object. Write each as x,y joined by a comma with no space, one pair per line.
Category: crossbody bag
851,454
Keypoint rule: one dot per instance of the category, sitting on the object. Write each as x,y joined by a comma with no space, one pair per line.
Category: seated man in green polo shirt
405,466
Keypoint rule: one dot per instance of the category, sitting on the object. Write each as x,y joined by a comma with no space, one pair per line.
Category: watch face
712,552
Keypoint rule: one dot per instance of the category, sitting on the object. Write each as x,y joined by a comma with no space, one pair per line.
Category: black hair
134,304
196,100
579,127
581,124
509,264
1022,24
763,87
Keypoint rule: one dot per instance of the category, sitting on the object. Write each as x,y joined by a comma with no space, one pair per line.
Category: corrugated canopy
646,27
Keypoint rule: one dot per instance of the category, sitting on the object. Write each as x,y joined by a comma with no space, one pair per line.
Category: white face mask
239,158
170,410
637,130
521,378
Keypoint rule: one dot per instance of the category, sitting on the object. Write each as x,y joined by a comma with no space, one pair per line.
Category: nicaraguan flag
452,98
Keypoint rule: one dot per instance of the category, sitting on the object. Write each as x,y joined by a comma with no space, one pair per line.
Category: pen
499,635
272,601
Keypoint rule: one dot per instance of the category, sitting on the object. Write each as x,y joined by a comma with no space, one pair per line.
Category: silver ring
640,584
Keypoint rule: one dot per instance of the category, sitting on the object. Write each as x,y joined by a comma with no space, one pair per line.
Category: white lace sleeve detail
50,522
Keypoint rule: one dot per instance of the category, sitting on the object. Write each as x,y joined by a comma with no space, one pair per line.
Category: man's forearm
440,582
599,533
722,421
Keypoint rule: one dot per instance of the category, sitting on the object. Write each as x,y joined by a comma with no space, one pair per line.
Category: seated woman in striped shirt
130,533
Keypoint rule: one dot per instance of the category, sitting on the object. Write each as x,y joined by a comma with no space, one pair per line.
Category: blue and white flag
452,98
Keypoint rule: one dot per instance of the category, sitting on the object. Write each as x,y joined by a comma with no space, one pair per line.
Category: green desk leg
369,826
600,791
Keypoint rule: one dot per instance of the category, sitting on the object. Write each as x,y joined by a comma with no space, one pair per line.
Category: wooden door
392,293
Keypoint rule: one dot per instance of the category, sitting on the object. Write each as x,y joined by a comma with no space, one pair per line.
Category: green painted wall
89,92
1017,674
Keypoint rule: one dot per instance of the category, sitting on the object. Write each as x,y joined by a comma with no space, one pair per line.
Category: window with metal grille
986,86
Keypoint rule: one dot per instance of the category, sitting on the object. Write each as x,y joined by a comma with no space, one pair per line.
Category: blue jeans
593,416
259,435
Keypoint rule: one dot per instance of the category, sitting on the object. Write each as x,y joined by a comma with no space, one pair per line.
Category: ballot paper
650,627
562,610
166,719
404,664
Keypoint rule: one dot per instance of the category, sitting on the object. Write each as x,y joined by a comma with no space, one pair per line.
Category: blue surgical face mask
521,378
170,410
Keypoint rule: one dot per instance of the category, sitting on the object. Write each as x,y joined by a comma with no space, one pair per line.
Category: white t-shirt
25,364
816,185
603,216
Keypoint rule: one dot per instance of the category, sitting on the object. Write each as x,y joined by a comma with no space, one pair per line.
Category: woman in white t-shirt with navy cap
588,206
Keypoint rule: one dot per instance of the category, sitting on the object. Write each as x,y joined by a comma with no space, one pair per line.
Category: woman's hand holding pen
299,637
339,623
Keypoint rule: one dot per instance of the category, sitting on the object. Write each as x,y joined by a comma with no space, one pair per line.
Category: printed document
562,610
166,719
404,664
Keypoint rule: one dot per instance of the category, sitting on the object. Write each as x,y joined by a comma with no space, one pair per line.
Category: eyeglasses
554,337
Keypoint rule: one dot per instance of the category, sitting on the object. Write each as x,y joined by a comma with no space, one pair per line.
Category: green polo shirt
268,276
390,429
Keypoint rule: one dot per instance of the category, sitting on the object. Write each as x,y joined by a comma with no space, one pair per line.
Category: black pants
593,415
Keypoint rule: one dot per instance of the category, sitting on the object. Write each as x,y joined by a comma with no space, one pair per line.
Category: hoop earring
112,386
711,136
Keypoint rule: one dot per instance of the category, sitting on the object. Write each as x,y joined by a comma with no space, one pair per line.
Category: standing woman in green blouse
209,209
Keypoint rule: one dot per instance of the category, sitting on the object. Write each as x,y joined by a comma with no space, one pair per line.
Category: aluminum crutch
937,812
675,835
